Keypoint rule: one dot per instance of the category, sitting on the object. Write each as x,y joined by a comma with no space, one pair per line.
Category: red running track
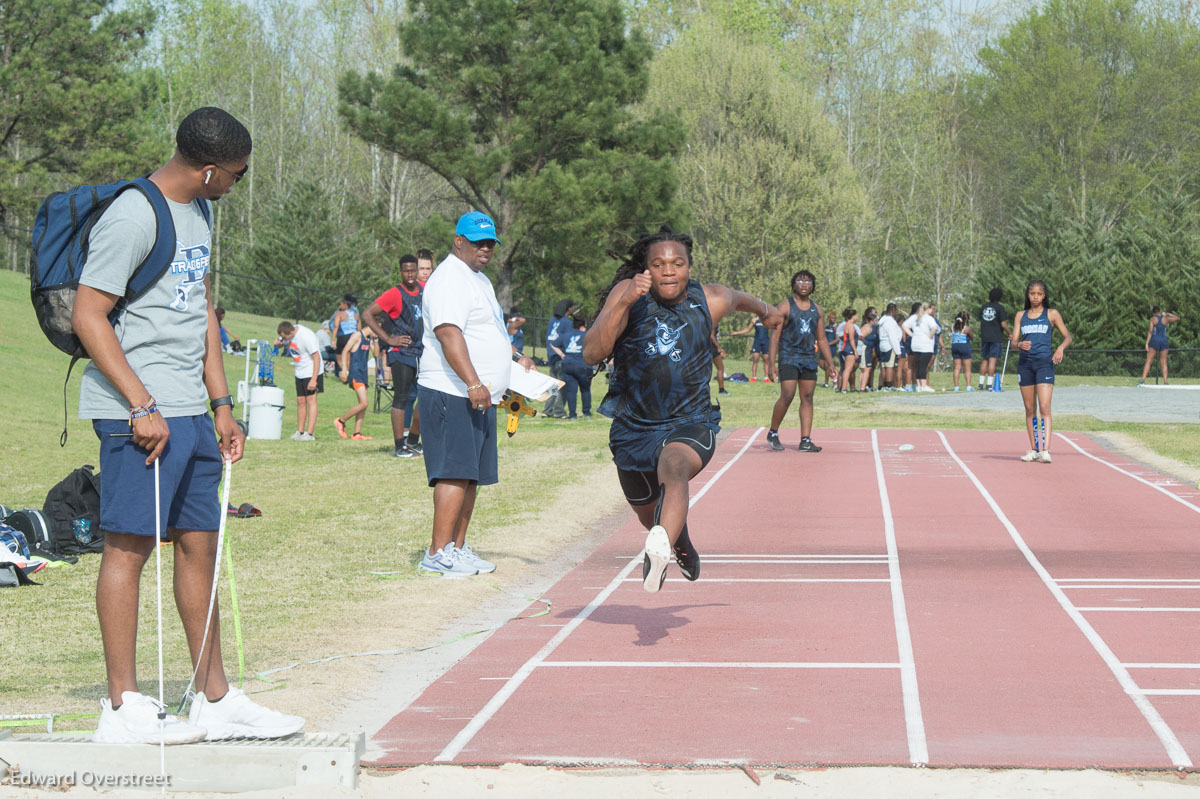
942,605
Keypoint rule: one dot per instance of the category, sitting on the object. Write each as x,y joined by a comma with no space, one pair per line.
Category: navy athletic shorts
459,441
992,349
636,455
1030,373
790,371
189,471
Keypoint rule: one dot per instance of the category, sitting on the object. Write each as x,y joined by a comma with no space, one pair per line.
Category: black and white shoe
807,445
656,558
773,440
687,557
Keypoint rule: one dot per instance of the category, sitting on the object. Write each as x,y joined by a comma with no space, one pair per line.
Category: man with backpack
155,371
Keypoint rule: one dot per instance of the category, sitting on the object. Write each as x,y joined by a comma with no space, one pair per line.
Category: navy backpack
61,232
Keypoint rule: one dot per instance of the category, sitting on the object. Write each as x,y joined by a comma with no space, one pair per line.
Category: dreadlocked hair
212,136
634,262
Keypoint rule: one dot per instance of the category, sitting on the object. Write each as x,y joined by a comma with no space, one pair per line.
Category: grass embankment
334,511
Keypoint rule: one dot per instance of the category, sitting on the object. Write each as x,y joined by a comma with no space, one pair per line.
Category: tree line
893,148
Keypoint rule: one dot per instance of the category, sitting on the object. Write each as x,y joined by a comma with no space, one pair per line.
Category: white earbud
207,175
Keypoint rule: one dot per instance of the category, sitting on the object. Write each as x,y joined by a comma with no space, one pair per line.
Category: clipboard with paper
532,385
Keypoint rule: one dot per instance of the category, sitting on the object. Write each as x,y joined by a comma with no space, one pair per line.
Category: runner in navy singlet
795,345
657,323
355,356
1156,342
1031,337
758,348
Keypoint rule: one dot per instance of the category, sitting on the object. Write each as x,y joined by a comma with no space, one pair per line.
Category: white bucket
266,412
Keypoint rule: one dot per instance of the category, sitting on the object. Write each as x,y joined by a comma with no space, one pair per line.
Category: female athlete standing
657,323
1156,342
1032,330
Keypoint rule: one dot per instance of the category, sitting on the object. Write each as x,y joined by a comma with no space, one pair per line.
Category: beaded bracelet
143,410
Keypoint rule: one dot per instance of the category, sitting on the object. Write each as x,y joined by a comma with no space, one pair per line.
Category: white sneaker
1030,456
468,556
656,558
307,437
445,563
238,716
298,435
1044,456
136,722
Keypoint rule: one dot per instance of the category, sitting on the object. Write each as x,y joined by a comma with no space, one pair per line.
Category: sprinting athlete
1031,336
794,346
1156,342
657,324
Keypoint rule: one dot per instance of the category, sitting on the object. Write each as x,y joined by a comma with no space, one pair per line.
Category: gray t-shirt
162,332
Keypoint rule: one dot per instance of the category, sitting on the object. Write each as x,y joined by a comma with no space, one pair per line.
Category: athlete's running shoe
136,721
1044,456
360,437
1030,456
807,445
236,715
773,440
686,556
656,558
415,447
404,452
340,426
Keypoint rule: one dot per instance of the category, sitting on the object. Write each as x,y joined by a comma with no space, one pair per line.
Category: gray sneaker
298,435
307,437
403,452
467,555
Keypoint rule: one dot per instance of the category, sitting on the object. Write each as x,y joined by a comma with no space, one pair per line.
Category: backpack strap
162,253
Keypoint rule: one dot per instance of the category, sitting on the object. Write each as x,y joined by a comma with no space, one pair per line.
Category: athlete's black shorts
641,487
788,371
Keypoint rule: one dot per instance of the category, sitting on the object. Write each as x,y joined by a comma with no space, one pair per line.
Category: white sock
989,381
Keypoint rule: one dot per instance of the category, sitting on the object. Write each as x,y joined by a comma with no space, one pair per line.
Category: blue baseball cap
476,226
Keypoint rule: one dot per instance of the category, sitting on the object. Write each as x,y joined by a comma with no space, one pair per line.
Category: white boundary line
693,664
1114,467
1127,580
1162,665
1119,609
708,580
459,742
1166,737
914,723
1169,691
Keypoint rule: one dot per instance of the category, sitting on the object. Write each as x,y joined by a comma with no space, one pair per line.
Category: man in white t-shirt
305,351
463,374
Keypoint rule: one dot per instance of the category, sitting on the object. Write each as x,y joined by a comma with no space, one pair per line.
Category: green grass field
334,511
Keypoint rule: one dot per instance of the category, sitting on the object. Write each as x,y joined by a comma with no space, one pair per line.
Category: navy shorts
762,348
1158,344
961,351
189,471
459,441
640,485
1030,373
992,349
791,371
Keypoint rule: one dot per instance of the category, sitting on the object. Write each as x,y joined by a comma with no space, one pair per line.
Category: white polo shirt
458,295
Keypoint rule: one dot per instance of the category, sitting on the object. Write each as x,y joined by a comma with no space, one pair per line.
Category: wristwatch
219,401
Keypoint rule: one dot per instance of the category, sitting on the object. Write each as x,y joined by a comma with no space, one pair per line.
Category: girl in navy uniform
657,324
358,348
868,348
795,345
1031,336
960,348
759,349
848,349
1156,342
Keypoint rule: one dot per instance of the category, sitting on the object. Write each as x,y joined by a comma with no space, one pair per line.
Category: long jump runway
944,605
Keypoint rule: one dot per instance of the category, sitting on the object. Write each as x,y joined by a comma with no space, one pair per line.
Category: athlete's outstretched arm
601,337
723,300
